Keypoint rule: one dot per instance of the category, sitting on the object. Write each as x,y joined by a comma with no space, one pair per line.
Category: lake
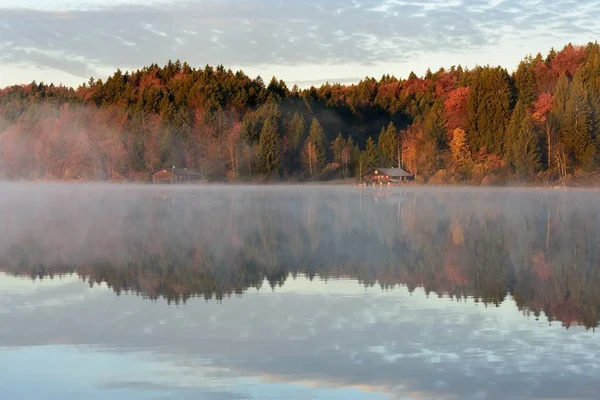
298,292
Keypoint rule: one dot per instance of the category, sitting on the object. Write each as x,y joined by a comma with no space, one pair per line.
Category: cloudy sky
304,42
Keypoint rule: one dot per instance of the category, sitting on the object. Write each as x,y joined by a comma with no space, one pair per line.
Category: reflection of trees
537,247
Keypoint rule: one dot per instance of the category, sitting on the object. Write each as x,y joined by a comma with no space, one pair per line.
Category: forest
538,124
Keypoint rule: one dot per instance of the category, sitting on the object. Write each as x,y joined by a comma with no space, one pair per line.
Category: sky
304,42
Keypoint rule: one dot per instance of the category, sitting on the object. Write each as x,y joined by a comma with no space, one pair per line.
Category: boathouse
387,176
175,175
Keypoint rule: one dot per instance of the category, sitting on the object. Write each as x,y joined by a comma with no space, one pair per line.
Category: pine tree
250,130
512,133
372,157
388,143
358,166
578,129
317,135
561,98
295,131
526,148
434,129
488,108
525,83
337,148
269,148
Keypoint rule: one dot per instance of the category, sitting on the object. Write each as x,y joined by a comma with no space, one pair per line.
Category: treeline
480,125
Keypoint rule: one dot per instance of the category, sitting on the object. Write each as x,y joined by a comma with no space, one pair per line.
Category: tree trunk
549,143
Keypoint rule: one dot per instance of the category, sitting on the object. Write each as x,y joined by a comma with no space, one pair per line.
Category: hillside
480,125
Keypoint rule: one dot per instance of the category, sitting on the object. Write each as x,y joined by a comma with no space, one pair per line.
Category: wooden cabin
386,176
175,175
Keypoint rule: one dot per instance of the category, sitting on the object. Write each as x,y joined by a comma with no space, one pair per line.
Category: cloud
82,40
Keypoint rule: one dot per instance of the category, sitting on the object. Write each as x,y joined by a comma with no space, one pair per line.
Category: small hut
175,175
386,176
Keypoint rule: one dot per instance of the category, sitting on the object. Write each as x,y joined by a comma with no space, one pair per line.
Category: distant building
175,175
387,175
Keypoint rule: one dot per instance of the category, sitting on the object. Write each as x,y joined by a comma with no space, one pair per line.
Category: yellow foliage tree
459,148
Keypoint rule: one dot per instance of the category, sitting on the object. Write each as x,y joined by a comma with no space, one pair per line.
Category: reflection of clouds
80,372
390,342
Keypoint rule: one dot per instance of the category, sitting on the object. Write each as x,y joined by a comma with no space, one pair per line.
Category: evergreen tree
434,129
372,157
526,148
337,148
250,130
388,143
488,107
269,148
578,129
295,130
561,98
525,83
317,136
512,133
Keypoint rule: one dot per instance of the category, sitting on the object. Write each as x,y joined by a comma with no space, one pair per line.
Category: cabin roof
179,171
391,172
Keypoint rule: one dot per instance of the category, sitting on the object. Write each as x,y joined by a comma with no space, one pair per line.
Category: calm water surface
298,293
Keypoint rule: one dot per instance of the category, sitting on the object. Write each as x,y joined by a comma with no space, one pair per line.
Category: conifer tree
525,83
372,157
250,131
337,148
526,148
434,129
269,148
317,136
512,133
488,107
578,128
388,143
295,131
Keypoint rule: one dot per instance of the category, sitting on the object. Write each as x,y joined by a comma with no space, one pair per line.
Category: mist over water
406,273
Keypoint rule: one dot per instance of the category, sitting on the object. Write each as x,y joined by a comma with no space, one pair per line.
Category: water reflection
336,340
321,292
539,247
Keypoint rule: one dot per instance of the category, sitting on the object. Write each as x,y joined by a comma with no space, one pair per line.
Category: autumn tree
234,149
459,148
455,107
542,116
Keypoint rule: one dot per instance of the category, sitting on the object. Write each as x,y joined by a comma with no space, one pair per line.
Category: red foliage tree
541,113
568,60
456,109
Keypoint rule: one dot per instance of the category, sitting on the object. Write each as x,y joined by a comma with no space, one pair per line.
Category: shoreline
556,186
